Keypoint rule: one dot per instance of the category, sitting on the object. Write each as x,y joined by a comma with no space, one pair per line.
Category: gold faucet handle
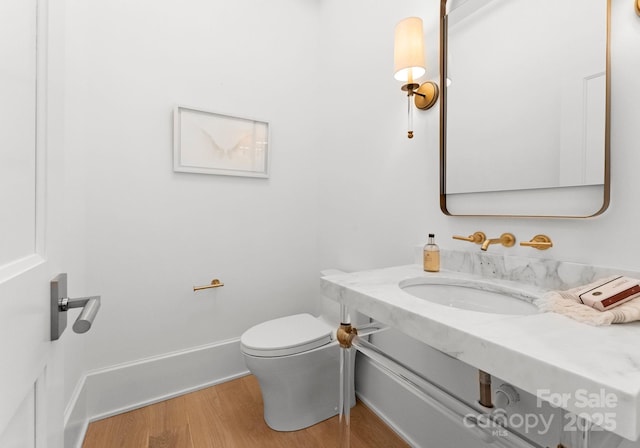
540,242
477,238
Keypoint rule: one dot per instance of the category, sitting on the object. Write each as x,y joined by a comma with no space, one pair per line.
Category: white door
31,392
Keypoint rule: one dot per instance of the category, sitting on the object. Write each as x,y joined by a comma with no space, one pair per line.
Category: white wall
151,234
379,190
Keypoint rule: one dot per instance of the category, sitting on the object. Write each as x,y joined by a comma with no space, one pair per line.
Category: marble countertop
545,354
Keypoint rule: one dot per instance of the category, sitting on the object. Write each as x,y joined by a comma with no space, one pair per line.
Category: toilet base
300,390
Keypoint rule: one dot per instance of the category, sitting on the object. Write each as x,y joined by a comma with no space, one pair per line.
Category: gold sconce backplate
428,94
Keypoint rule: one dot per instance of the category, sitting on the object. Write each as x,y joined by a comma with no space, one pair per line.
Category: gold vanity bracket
477,237
215,283
345,335
540,242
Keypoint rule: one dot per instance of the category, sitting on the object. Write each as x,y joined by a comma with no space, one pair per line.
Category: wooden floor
228,415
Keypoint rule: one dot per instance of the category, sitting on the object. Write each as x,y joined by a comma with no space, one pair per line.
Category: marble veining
547,274
537,352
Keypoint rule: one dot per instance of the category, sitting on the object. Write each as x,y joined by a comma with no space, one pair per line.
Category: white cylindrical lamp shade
408,54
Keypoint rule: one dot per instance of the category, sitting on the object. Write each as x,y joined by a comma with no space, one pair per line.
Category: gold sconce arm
424,96
215,283
540,242
477,237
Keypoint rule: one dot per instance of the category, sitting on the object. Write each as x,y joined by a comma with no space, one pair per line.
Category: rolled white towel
568,303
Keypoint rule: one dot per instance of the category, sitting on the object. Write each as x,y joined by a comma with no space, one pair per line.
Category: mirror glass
525,107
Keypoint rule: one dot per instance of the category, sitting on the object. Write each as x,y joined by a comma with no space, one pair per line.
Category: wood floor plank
228,415
205,415
128,430
167,416
172,438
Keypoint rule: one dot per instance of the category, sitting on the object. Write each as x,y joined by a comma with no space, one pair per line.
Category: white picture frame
208,142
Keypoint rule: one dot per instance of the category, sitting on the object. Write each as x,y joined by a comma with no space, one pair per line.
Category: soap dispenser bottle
431,255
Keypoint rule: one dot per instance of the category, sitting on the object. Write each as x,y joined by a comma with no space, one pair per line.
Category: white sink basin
472,296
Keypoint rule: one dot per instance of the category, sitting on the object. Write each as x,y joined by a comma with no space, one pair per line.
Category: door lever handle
90,306
60,303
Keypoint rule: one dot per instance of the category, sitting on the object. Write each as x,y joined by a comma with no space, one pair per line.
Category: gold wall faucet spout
506,239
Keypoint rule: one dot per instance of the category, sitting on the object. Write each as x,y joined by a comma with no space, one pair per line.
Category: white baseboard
124,387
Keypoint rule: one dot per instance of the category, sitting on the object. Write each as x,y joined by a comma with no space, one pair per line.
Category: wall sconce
638,7
409,62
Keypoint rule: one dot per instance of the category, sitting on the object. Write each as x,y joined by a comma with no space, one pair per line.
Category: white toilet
296,360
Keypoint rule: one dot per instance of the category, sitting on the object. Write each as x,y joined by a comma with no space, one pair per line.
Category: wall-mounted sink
538,352
471,296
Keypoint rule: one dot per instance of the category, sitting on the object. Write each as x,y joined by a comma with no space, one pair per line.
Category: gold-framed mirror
525,111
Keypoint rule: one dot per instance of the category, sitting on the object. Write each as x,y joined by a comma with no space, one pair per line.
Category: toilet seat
286,336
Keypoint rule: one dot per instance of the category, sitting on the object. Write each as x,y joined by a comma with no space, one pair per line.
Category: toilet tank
329,310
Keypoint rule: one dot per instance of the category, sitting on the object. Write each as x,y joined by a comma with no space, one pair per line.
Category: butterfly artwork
206,142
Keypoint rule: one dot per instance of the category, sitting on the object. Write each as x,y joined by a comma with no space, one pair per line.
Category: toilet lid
286,336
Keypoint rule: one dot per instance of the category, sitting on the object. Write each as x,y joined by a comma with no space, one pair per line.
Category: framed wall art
212,143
